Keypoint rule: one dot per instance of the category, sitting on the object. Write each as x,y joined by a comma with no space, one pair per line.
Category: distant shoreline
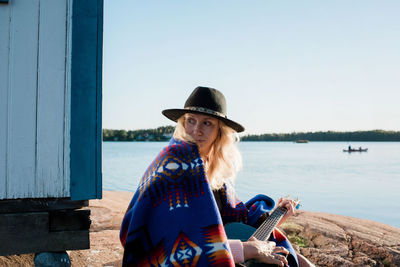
164,133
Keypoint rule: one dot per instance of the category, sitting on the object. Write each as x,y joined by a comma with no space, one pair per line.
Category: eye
207,123
191,121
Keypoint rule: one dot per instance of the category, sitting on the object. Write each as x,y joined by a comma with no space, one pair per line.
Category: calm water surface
364,185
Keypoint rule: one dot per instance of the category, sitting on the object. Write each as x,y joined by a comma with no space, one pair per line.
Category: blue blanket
173,219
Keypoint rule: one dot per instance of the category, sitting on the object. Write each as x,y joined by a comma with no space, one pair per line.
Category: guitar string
267,231
264,231
273,219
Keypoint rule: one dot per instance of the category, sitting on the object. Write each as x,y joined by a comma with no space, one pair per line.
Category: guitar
244,232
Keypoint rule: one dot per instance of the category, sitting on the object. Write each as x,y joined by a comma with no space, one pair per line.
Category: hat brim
175,114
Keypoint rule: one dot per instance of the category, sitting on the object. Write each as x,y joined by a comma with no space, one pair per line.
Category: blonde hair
224,158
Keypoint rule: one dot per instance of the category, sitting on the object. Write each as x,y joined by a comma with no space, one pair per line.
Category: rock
364,261
17,260
335,240
52,259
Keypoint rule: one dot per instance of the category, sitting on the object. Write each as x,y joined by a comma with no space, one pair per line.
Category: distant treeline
164,133
375,135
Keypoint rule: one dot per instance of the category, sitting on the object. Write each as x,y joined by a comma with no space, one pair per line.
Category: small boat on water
355,150
301,141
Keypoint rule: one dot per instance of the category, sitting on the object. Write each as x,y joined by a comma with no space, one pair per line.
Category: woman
177,215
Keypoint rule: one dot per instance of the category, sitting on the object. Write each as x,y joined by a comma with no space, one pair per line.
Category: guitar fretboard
264,231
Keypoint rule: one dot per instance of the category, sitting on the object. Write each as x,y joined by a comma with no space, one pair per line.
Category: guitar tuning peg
298,205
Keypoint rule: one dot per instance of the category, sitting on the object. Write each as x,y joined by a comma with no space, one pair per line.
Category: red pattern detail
156,186
215,234
123,235
158,257
279,236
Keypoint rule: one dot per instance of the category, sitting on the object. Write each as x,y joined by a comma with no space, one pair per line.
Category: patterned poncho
173,219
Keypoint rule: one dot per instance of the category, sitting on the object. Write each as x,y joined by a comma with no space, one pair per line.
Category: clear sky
284,66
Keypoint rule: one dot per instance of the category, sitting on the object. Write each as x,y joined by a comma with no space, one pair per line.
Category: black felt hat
208,101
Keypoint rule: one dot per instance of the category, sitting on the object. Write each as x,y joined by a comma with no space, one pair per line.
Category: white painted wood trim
21,152
50,99
4,87
67,100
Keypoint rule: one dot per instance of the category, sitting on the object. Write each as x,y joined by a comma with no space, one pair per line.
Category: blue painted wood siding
86,98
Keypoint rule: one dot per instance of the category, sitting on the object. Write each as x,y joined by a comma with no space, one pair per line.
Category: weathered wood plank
65,240
4,51
99,100
31,205
67,99
21,158
30,224
50,169
85,128
83,99
23,233
69,220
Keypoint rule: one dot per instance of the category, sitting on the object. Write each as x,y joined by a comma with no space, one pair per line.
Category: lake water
364,185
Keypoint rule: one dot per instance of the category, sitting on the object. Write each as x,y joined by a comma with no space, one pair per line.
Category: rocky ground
335,240
325,239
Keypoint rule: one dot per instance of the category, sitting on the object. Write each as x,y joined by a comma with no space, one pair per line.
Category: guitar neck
264,231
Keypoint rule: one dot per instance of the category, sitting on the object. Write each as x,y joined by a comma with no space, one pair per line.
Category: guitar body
240,231
266,231
243,232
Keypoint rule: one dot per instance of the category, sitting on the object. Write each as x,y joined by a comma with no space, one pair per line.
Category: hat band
206,110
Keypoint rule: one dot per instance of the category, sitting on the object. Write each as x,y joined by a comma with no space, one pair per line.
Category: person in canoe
177,215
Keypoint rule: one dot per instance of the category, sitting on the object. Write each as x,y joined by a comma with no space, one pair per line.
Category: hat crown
208,101
208,98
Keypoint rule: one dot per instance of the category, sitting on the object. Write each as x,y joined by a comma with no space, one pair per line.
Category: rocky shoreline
325,239
335,240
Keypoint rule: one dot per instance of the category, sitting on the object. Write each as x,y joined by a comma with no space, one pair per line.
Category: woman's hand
290,205
264,251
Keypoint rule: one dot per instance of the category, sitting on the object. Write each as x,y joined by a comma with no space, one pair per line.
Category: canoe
356,150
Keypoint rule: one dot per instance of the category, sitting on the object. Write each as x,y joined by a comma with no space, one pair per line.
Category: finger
285,202
290,207
282,203
273,259
294,207
281,258
280,250
290,210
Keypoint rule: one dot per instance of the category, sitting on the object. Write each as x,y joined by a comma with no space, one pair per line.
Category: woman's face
203,129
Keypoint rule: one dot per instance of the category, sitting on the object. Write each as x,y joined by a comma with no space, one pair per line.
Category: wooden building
50,122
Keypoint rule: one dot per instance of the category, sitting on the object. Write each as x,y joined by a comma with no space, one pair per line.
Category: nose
197,129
